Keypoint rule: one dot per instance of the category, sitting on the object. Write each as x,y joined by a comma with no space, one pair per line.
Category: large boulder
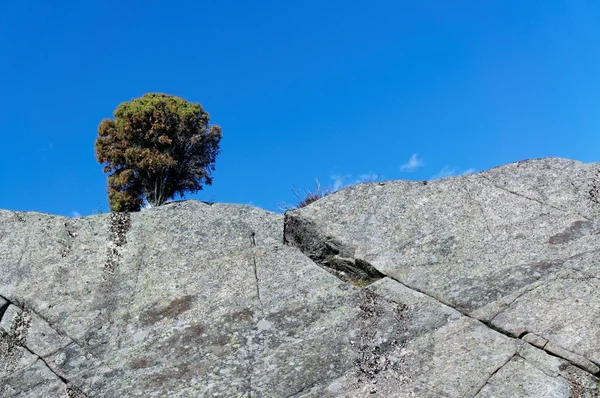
474,286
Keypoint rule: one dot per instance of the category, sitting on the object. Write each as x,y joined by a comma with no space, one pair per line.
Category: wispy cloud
75,214
342,181
368,177
413,163
448,171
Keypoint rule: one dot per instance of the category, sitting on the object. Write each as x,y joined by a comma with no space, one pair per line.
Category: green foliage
157,146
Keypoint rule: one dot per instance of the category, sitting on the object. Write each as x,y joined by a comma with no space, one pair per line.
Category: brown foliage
157,146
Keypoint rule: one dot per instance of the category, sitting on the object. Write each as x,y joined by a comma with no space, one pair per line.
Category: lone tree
157,146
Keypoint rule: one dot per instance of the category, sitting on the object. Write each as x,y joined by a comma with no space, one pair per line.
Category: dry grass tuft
310,196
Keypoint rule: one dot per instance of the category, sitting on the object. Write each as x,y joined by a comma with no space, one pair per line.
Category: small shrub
157,146
310,196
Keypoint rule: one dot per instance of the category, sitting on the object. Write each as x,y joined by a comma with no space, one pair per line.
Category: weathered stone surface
197,300
516,246
41,338
562,309
518,378
453,358
234,312
534,373
469,240
32,381
537,341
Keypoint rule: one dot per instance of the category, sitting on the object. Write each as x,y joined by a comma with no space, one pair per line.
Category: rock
474,286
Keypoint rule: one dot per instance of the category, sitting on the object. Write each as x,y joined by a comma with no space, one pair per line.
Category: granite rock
482,285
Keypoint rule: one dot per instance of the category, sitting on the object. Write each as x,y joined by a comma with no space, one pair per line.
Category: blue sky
334,90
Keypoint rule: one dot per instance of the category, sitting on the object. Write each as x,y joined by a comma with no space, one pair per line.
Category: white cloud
343,181
448,171
413,163
368,177
75,214
339,181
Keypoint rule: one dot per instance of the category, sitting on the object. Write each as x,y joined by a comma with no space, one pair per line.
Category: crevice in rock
488,315
17,337
256,280
325,250
532,199
4,385
525,290
574,359
251,355
3,307
329,253
72,390
494,372
22,306
544,281
506,333
51,353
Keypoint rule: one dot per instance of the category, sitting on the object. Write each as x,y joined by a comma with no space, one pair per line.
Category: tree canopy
157,146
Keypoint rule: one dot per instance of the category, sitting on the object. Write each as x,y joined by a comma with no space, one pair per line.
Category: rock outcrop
485,285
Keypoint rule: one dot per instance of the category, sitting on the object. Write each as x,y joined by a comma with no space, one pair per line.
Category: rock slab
474,286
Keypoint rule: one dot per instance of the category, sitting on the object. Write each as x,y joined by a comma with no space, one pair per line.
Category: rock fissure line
72,390
527,289
533,199
4,307
256,279
18,337
496,371
69,386
61,348
291,239
251,355
50,325
505,332
327,252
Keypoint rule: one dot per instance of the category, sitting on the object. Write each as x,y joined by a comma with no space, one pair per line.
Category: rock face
486,285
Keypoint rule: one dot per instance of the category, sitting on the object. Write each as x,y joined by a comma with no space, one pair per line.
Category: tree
157,146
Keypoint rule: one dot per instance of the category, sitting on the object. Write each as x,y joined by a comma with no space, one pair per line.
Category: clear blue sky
334,90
